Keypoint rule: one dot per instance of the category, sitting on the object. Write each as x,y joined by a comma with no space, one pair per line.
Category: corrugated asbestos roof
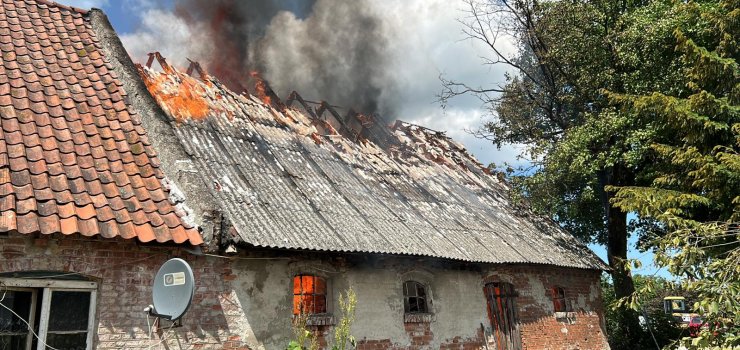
288,179
73,157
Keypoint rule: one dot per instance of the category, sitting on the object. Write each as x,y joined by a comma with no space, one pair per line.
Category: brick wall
124,272
246,303
583,328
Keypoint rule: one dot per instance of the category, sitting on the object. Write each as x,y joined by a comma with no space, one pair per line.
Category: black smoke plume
332,50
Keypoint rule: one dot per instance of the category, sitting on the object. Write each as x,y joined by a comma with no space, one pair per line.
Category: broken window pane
14,333
13,341
414,297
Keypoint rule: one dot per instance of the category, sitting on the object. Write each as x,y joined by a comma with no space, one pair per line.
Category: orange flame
260,88
184,101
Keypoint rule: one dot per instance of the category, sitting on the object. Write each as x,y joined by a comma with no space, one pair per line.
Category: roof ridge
89,172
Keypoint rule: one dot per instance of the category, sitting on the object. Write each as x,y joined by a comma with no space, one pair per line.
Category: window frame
314,294
47,287
559,296
407,298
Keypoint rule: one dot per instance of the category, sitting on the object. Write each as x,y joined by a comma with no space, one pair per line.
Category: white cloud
169,34
429,41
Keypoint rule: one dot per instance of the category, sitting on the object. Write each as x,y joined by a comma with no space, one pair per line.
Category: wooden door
501,299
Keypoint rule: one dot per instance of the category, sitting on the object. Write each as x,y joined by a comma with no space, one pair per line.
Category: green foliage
303,337
628,106
573,55
694,187
342,336
630,50
306,339
650,305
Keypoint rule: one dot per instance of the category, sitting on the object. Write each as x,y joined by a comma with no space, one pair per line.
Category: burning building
109,168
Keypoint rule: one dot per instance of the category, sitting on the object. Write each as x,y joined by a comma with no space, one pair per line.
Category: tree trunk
617,252
621,275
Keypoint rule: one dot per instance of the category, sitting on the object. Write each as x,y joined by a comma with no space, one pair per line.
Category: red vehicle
695,325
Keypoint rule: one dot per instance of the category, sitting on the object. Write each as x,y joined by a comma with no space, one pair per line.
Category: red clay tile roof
73,157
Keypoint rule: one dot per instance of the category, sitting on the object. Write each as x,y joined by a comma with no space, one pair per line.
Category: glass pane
422,305
296,285
409,289
320,286
558,305
320,304
20,303
413,305
296,304
69,311
308,304
74,341
13,341
307,283
420,290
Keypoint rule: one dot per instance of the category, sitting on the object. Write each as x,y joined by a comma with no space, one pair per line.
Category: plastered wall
245,302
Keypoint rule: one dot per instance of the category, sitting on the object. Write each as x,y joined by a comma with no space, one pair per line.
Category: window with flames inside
309,295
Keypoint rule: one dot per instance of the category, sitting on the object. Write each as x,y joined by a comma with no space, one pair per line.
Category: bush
658,330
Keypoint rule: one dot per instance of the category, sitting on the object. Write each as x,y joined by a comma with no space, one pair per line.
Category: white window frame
47,287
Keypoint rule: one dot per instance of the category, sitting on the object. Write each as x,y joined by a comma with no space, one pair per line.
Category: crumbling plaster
264,290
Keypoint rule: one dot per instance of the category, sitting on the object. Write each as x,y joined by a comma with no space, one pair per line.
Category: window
559,302
309,295
501,300
674,305
414,297
61,313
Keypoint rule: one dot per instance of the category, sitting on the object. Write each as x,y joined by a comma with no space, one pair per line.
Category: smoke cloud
332,50
411,44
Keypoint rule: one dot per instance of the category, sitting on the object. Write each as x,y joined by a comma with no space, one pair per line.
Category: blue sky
432,45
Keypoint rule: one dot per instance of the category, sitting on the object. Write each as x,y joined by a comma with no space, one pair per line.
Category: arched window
414,297
309,295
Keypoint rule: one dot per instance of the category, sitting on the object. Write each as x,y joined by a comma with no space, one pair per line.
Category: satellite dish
174,287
